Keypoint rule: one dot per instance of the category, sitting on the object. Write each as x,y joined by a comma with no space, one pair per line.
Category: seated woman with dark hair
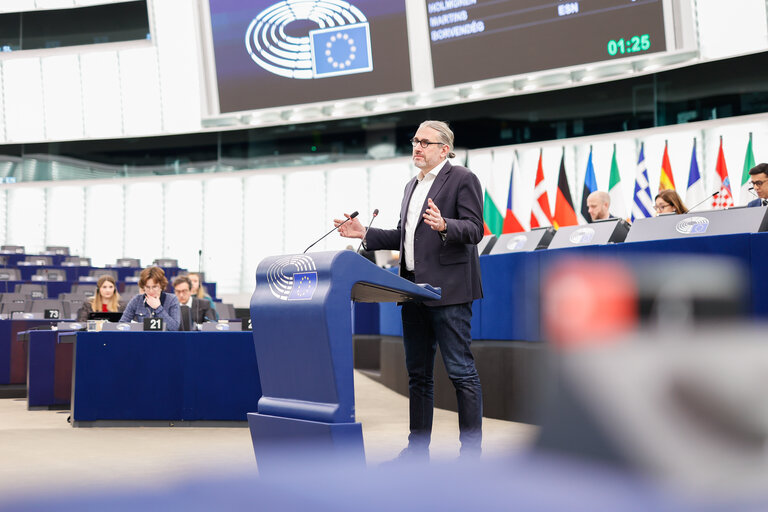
106,299
153,302
667,201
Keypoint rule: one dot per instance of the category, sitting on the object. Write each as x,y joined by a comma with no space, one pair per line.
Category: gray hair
445,134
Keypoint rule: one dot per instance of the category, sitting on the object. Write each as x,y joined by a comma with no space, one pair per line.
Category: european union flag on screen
304,286
343,50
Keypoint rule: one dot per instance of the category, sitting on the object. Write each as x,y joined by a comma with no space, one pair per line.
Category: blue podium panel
164,376
302,330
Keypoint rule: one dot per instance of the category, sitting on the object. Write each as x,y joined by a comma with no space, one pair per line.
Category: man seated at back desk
599,205
193,310
759,179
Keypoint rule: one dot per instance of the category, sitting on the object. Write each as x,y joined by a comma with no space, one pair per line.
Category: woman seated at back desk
106,299
668,201
198,290
154,302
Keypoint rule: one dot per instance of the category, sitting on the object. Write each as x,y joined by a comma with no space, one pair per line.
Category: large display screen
481,39
271,53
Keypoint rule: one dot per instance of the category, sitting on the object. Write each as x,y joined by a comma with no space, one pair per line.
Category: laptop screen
112,316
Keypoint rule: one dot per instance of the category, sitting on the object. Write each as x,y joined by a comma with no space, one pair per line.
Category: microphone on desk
703,201
375,213
354,214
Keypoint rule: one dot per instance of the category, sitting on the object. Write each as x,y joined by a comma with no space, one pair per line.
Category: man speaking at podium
441,222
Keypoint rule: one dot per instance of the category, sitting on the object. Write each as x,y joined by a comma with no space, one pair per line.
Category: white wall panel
732,27
347,191
103,223
23,100
140,90
62,97
17,5
386,186
54,4
263,231
305,221
176,25
144,220
3,216
26,218
223,227
183,237
2,106
65,218
102,111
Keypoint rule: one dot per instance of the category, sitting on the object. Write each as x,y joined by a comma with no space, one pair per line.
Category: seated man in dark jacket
193,309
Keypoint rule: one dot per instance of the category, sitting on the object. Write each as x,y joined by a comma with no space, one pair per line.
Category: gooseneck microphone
703,201
354,214
375,213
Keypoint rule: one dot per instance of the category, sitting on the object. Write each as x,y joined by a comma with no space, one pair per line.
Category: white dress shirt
414,213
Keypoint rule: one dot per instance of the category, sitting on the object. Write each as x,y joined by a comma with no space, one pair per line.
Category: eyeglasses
153,287
659,208
423,143
758,183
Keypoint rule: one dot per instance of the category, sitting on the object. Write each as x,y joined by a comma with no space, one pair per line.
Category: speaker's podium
302,329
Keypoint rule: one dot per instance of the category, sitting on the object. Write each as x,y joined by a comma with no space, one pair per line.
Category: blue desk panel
13,356
49,369
164,376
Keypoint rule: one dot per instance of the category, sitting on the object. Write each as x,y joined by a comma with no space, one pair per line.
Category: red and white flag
725,198
541,215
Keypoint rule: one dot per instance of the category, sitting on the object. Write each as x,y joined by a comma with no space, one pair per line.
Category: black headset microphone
703,201
352,216
375,213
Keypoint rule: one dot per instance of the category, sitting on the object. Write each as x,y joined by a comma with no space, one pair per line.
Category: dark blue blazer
453,264
755,202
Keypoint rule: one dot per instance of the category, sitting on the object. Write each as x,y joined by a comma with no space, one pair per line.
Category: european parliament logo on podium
343,50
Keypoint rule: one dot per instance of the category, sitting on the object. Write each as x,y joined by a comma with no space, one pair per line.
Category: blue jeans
425,328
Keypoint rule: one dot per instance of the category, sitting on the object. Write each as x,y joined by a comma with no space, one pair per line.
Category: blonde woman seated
106,299
153,302
198,290
667,201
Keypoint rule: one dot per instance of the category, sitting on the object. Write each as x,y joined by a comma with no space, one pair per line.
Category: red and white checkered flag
725,198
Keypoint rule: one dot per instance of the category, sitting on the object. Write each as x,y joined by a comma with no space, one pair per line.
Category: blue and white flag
642,202
696,192
343,50
304,286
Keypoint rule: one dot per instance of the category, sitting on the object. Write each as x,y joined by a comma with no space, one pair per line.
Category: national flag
666,180
565,215
493,221
696,192
615,190
746,195
642,202
590,185
725,198
511,224
540,212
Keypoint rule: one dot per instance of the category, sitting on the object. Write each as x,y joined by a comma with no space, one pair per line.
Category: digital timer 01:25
631,44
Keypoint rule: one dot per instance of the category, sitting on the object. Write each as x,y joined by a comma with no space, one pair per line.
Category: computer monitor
110,316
